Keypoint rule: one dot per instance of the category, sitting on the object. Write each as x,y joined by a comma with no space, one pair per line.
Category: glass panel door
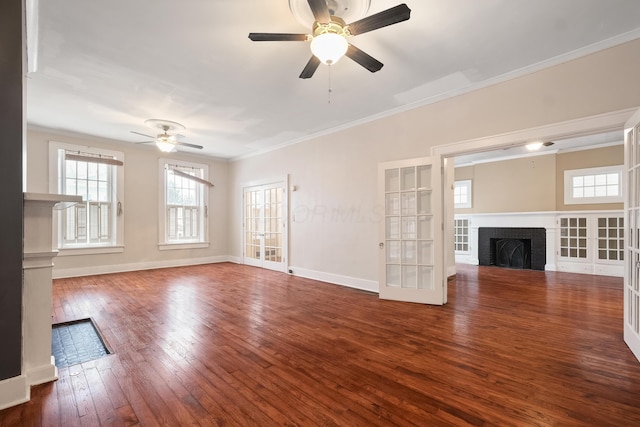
253,227
264,236
411,232
632,240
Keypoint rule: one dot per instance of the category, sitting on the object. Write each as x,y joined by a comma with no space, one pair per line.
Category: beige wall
608,156
339,172
141,198
519,185
533,184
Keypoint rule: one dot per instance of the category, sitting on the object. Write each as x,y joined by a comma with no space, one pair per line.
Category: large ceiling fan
330,33
166,141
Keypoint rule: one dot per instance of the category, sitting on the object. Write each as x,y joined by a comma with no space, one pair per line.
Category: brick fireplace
514,247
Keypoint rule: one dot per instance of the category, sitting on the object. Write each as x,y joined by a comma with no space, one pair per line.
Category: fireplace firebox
521,248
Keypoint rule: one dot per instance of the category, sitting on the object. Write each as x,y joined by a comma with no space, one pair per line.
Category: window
593,185
462,194
183,209
461,235
96,224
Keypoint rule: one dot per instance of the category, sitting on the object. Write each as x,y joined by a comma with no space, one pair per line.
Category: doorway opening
596,131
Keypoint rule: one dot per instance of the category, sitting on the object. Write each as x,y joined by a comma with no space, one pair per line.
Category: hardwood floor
225,344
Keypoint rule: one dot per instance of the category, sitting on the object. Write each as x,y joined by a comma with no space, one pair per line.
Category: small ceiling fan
165,141
329,35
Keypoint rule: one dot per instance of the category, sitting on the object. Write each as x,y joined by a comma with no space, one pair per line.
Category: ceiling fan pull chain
329,92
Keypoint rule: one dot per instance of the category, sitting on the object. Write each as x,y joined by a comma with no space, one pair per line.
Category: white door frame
284,180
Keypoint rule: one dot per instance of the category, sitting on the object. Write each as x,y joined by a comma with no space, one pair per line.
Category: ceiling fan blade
143,134
186,144
310,68
381,19
277,37
320,10
364,59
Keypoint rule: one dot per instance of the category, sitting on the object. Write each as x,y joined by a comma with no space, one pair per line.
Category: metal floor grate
76,342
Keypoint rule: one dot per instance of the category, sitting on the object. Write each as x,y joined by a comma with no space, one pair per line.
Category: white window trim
568,188
163,244
464,183
54,188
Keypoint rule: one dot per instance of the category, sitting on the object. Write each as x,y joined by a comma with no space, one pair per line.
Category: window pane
70,187
70,168
92,171
103,192
92,190
82,170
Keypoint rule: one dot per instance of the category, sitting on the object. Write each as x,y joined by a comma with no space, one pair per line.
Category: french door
264,226
411,244
632,219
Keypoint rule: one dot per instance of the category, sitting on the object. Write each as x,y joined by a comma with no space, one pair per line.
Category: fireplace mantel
38,365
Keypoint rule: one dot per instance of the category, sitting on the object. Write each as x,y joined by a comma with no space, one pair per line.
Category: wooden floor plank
232,345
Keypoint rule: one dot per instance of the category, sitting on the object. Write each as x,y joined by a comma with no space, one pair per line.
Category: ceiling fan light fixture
329,47
534,146
165,146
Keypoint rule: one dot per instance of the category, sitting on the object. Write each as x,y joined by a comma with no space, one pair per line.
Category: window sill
90,250
172,246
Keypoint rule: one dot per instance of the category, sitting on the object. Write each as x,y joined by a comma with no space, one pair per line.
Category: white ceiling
104,67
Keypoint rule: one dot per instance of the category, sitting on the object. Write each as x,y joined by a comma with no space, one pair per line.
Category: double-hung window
184,199
94,225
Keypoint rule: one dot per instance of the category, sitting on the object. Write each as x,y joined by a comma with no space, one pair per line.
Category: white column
37,361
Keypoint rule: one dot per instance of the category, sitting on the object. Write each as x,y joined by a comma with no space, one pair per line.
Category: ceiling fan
330,32
165,141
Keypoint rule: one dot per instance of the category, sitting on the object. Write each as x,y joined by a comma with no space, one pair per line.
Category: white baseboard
451,271
14,391
591,268
43,374
120,268
336,279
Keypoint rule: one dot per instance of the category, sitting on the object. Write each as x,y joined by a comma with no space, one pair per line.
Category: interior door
411,245
632,219
264,226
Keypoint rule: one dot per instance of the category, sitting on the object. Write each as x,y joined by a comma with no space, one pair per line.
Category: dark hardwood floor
225,344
